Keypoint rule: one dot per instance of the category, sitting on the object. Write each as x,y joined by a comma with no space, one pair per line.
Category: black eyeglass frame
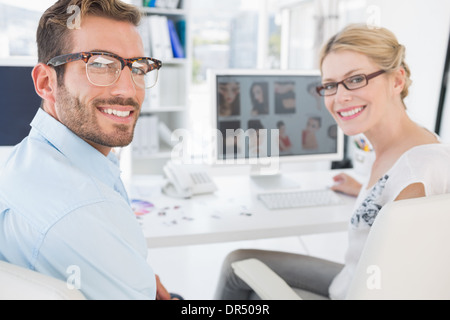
366,77
85,56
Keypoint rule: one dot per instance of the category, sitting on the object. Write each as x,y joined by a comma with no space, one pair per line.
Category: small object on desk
141,207
361,144
299,198
184,181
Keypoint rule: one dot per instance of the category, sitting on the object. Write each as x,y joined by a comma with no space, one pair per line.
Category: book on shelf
146,137
144,31
152,98
177,47
156,40
159,37
168,4
149,3
181,30
165,38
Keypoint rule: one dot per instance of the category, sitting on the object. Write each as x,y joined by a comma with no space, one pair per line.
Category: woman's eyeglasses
350,83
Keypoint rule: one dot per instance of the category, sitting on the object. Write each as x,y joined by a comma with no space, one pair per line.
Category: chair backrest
18,283
407,254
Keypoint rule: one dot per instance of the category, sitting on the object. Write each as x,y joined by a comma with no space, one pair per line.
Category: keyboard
299,198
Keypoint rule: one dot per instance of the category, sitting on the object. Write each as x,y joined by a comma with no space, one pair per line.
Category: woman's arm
346,184
415,190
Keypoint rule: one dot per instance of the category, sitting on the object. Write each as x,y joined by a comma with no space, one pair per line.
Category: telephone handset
184,181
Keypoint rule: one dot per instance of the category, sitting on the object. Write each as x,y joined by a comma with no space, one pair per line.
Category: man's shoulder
40,181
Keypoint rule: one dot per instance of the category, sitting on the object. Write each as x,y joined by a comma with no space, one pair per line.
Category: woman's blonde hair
378,44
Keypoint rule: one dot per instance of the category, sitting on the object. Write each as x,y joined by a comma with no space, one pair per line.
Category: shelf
164,11
175,61
169,99
164,109
164,154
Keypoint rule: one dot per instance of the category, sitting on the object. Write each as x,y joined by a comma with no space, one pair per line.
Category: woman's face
229,91
313,125
258,93
356,111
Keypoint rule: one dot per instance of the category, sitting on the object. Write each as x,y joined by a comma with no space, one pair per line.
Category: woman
285,143
364,82
259,98
309,138
229,99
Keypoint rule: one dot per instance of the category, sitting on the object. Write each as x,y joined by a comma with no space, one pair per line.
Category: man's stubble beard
81,119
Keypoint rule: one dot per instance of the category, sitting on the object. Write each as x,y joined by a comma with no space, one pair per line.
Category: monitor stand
271,180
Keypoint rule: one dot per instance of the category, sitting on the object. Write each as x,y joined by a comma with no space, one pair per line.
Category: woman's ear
45,82
399,80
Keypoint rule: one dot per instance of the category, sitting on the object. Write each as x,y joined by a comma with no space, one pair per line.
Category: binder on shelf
156,37
145,143
152,98
181,30
177,48
138,3
153,136
166,43
149,3
146,137
172,4
169,4
161,46
144,31
136,144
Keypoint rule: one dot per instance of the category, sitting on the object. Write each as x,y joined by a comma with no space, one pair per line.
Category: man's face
104,117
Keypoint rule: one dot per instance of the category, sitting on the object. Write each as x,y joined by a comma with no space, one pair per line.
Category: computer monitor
18,103
267,117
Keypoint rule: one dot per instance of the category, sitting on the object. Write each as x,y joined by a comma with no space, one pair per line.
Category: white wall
422,26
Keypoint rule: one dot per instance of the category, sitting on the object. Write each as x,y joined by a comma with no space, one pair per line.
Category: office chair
18,283
405,256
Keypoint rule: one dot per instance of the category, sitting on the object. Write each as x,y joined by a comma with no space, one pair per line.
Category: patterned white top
427,164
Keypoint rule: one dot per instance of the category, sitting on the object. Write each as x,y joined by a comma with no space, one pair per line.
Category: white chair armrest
18,283
263,280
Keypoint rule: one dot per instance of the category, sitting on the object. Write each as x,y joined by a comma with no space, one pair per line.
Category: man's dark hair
53,35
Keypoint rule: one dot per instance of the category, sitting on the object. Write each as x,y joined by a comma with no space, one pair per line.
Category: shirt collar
78,151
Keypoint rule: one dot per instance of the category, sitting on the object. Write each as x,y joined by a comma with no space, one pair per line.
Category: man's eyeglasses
350,83
104,68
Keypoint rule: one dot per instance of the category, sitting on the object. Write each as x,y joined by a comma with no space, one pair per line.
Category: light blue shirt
64,212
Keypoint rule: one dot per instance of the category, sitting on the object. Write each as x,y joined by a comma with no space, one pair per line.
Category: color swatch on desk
141,207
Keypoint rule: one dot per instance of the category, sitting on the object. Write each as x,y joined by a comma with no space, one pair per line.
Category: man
63,208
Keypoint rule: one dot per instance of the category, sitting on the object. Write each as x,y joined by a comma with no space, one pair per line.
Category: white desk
233,213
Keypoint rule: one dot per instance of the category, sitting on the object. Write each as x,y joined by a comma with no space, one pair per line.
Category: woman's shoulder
427,164
431,152
422,157
423,160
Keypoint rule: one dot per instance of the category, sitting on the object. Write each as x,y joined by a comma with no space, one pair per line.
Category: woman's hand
346,184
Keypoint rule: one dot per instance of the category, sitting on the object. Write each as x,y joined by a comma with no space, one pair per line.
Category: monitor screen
18,103
272,113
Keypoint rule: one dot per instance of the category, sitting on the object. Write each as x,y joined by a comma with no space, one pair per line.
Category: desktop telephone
184,181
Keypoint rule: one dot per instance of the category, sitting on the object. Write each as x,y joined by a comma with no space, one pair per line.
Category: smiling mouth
351,113
117,113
